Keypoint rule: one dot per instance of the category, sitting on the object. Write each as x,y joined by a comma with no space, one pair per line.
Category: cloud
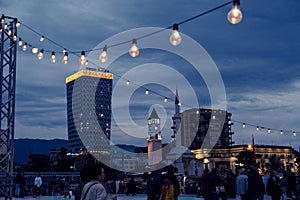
258,58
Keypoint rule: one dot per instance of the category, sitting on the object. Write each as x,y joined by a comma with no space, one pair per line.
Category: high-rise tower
88,109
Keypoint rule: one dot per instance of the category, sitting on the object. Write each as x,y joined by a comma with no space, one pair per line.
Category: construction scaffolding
8,48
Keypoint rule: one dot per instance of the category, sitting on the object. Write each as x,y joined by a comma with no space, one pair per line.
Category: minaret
154,139
175,153
177,117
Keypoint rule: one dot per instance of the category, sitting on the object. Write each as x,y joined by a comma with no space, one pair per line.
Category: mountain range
24,147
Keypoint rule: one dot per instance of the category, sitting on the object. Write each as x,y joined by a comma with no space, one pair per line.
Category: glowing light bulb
197,112
24,47
281,132
65,58
257,128
269,130
147,92
127,82
15,38
18,24
235,15
82,59
9,32
103,56
175,38
179,104
40,54
294,133
53,57
244,125
20,42
42,38
34,50
134,50
166,100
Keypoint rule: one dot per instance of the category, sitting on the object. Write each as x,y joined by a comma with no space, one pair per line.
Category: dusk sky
258,60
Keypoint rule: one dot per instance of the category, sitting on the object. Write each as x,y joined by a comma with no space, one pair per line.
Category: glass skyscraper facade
89,110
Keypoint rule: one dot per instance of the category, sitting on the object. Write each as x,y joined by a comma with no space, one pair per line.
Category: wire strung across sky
76,53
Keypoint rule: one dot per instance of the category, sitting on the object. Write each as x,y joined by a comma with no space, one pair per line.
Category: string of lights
175,39
234,16
269,130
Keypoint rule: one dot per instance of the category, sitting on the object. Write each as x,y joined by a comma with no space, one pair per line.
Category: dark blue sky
258,59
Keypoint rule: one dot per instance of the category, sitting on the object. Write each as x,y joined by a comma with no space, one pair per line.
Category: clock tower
154,139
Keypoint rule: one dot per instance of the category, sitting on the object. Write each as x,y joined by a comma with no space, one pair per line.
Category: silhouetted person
37,185
173,179
290,181
231,183
256,186
130,187
242,185
154,185
214,181
274,186
167,192
204,185
20,184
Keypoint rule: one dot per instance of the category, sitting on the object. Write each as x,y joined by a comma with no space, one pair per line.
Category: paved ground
124,197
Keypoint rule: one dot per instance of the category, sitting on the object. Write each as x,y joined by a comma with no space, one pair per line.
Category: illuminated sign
89,73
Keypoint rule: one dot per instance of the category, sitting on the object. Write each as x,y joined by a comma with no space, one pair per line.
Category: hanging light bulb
175,38
235,15
134,50
40,54
127,82
103,55
82,59
197,112
294,133
257,128
9,32
179,104
18,24
244,125
42,38
24,47
269,130
34,50
281,132
15,38
166,100
65,58
53,57
147,92
86,63
20,42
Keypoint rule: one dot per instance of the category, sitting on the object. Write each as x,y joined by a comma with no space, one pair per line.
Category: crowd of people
165,185
248,184
59,187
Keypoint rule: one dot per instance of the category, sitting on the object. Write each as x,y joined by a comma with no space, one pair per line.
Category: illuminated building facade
206,128
89,110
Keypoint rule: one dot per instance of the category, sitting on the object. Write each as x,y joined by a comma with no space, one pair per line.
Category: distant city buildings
89,110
